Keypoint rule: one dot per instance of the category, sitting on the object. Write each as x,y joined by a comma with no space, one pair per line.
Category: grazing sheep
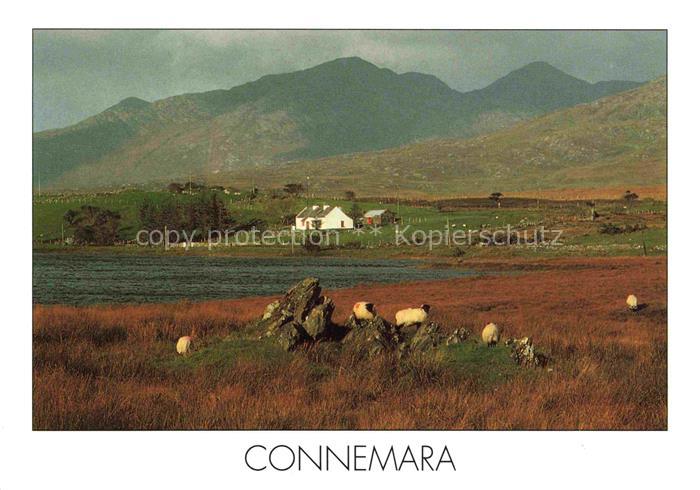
632,302
184,344
412,316
364,310
491,334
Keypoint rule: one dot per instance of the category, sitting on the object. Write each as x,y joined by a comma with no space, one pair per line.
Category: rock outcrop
270,309
458,336
300,316
318,322
304,316
370,337
291,335
427,337
524,353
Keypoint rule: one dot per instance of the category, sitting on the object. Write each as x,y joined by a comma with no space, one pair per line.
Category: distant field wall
530,199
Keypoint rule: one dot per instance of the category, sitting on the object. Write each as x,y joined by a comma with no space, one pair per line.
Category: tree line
205,213
93,225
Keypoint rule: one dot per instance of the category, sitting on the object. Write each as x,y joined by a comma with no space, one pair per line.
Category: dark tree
630,197
148,215
176,188
93,226
169,215
71,217
288,219
356,213
192,216
203,212
350,195
89,212
107,227
219,216
294,189
84,235
496,198
591,205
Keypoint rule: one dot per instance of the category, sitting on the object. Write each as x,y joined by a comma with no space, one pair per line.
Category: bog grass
115,367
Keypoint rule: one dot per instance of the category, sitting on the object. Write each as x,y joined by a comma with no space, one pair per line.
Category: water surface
81,279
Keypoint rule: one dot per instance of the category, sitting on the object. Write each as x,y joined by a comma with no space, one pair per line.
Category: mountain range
618,141
340,107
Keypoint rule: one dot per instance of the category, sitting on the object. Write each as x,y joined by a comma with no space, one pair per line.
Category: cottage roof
319,212
373,213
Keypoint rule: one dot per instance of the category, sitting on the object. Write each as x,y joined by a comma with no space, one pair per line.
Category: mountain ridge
618,140
340,106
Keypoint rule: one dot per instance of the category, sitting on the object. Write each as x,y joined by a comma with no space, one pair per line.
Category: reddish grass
94,366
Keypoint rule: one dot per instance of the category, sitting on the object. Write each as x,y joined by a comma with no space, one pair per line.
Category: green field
580,236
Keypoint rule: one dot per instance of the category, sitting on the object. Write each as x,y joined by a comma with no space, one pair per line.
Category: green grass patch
222,354
484,366
653,238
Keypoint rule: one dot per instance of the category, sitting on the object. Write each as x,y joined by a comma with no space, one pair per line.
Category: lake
80,279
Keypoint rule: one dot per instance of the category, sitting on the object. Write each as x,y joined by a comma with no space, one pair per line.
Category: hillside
619,140
343,106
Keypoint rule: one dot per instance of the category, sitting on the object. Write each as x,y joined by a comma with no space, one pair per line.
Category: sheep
491,334
184,344
632,302
412,316
364,310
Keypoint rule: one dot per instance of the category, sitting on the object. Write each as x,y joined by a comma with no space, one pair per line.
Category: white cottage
323,218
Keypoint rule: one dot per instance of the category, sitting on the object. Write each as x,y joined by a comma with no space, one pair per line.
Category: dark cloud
80,73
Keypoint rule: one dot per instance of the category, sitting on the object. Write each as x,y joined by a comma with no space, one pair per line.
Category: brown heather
115,367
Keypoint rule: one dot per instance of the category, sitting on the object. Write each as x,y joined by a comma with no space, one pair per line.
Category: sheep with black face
364,310
412,316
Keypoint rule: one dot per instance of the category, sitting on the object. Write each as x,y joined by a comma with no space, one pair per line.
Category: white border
214,459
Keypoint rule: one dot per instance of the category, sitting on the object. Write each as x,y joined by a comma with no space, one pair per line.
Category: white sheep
364,310
412,316
491,334
632,302
184,344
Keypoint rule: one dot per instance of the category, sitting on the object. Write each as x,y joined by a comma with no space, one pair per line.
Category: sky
79,73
